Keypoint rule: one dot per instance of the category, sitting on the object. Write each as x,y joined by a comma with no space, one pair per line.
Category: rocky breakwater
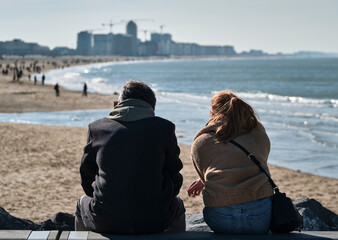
315,217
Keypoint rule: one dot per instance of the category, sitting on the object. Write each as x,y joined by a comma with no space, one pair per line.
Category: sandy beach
39,174
24,96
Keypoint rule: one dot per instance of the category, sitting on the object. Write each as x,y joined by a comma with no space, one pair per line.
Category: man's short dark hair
138,90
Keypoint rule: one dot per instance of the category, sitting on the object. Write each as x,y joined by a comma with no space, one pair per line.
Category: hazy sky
269,25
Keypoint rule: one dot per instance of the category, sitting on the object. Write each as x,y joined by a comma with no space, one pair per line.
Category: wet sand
39,173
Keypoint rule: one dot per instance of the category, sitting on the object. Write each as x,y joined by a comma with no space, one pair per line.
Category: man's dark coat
130,169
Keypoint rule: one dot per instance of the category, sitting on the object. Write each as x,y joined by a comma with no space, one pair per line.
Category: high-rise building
156,37
129,45
103,44
166,37
84,43
122,45
148,48
132,31
21,48
164,43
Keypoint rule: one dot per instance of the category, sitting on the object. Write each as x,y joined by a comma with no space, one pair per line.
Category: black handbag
284,217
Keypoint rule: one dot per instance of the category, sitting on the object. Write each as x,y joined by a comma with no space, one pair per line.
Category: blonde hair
237,116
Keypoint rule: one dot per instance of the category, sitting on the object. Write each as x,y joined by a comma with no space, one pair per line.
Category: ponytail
237,117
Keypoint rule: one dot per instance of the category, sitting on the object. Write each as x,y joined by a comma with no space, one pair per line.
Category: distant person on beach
15,74
236,194
35,80
84,92
19,75
43,78
57,90
130,170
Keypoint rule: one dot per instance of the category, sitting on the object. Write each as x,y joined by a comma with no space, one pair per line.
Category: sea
296,99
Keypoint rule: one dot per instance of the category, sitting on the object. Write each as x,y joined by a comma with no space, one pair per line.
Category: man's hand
195,188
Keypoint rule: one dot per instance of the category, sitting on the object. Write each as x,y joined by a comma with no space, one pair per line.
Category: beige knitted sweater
230,177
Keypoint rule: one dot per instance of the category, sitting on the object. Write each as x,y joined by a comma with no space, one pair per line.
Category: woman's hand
195,188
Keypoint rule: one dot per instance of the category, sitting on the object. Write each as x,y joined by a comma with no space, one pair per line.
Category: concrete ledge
29,235
72,235
208,235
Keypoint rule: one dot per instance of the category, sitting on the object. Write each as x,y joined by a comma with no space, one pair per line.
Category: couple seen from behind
130,169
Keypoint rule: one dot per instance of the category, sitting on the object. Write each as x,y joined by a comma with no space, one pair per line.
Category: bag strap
254,159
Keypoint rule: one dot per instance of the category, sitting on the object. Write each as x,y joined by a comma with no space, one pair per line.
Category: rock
60,221
195,222
9,222
315,216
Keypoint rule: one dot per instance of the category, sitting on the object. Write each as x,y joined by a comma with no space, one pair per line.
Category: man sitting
130,170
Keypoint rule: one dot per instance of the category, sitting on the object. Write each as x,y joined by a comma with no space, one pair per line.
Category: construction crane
161,27
145,31
111,24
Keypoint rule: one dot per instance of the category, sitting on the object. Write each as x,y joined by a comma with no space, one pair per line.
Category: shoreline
39,174
24,96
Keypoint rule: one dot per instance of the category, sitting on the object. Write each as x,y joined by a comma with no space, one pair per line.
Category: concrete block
64,235
78,235
39,235
14,234
54,235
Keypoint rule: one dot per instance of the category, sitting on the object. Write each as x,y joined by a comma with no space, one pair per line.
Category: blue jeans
245,218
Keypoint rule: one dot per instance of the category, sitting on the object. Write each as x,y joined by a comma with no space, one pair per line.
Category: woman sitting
236,194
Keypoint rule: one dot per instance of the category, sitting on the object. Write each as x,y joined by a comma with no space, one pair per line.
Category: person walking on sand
130,170
43,79
57,90
84,92
15,74
35,80
236,194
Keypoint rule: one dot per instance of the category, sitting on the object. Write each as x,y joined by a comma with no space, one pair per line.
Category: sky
270,25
